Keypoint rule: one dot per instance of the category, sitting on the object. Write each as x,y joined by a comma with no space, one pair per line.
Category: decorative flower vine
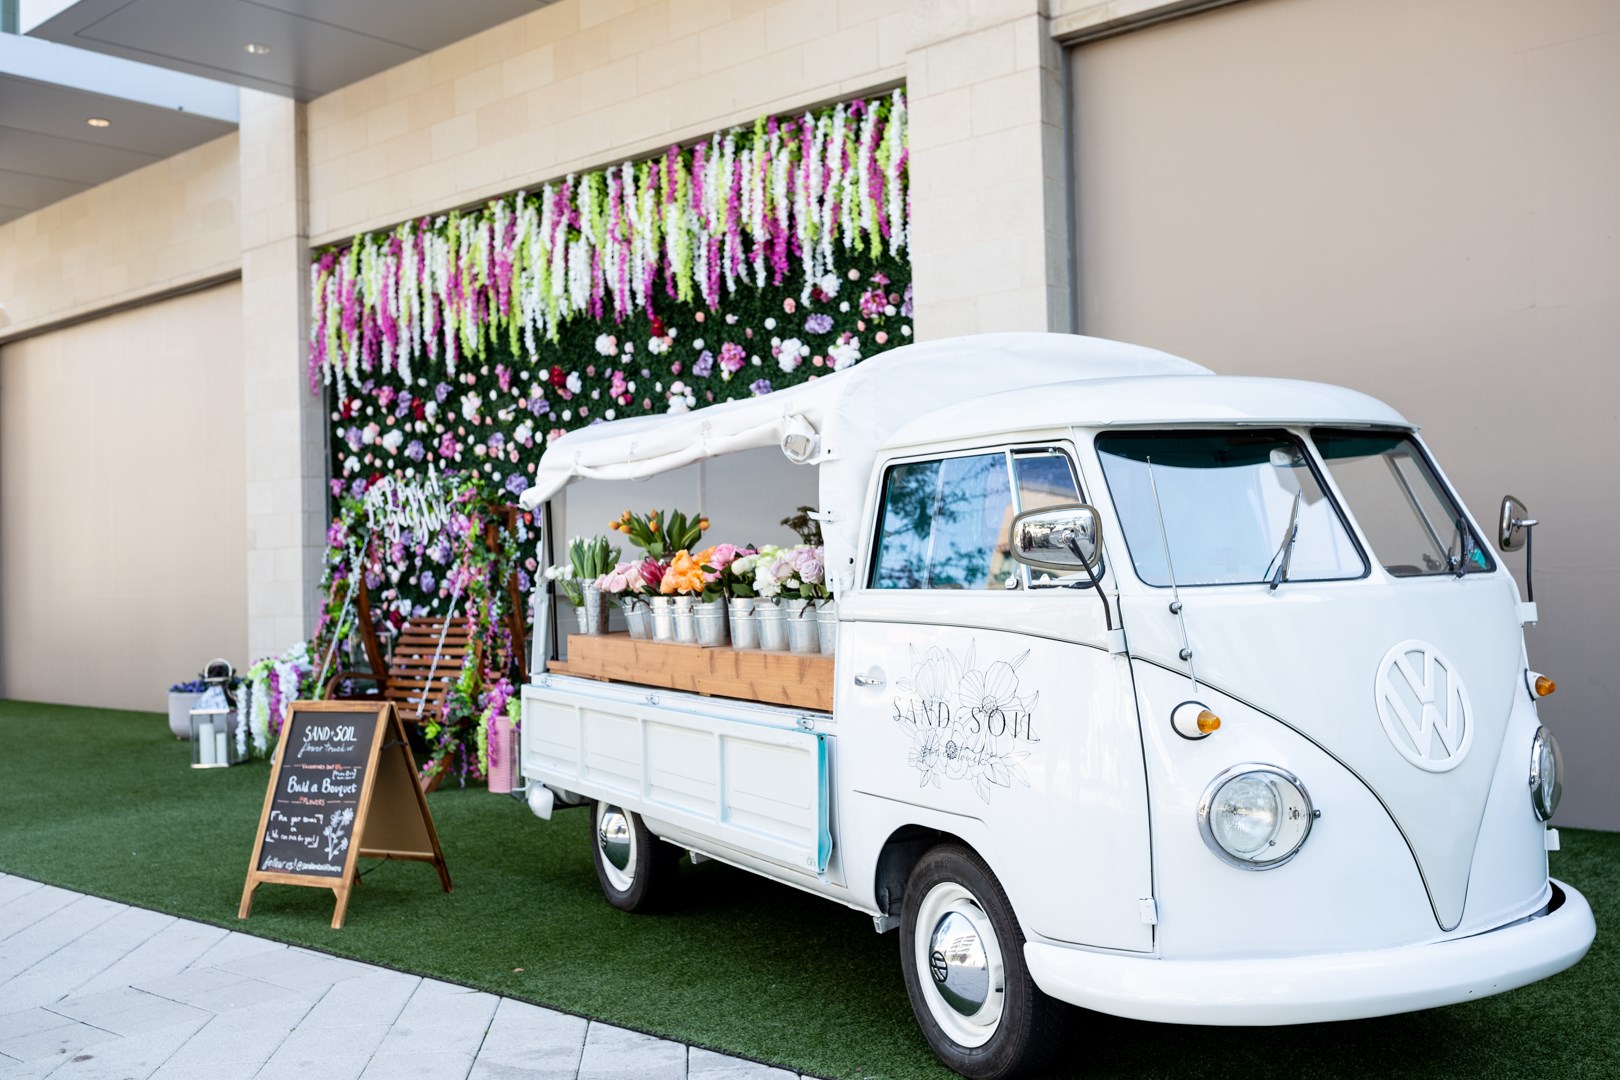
787,199
440,544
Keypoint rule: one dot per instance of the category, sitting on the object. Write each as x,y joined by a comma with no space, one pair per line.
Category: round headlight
1255,816
1546,774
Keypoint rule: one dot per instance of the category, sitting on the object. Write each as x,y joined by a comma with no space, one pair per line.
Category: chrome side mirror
1064,539
1513,524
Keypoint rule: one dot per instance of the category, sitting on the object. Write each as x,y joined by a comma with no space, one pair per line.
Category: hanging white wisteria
746,208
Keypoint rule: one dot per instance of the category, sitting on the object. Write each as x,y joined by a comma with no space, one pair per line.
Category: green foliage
591,558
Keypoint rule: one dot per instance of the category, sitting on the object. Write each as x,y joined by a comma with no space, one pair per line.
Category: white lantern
214,721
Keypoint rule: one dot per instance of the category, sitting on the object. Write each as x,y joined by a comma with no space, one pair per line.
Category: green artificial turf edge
103,802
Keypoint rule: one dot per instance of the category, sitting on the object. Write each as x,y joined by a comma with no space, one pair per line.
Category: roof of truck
1150,399
980,383
850,411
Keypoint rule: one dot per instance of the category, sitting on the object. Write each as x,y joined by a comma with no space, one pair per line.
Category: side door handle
862,679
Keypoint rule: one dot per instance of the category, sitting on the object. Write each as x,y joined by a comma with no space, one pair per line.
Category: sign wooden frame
403,830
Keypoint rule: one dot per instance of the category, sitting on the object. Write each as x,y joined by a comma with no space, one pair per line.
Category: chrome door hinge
1149,908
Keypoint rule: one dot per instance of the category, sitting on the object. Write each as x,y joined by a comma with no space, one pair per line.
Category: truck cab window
1415,525
1042,478
1045,478
944,524
1238,507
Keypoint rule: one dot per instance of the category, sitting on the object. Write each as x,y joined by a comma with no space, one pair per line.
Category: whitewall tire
962,954
634,868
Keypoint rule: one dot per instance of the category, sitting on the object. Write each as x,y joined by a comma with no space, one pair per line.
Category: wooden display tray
802,681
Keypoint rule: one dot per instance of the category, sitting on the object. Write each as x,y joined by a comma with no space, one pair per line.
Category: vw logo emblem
937,966
1424,706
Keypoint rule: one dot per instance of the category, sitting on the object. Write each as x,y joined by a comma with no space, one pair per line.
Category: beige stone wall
148,232
576,85
284,433
122,532
988,171
1360,192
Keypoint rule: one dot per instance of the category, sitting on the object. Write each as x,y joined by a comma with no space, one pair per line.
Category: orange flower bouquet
685,576
684,583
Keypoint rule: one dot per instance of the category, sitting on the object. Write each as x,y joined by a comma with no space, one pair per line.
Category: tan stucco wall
148,232
1413,199
122,528
580,84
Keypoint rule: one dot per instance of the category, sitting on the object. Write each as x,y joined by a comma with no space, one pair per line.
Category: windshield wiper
1285,550
1465,546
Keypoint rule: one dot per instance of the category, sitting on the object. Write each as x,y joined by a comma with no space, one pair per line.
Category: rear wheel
963,958
635,868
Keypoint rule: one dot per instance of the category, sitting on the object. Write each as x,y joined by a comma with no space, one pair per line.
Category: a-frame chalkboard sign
342,787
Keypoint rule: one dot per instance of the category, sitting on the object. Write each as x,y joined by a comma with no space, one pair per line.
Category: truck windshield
1411,520
1239,507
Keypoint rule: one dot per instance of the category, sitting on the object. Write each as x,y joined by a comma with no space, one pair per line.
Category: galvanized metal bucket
803,635
772,621
685,622
595,608
711,621
827,625
744,626
637,618
663,618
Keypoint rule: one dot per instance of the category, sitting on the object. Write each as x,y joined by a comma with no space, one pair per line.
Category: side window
1044,478
944,524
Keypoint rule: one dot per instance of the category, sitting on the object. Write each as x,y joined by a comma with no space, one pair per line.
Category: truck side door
978,701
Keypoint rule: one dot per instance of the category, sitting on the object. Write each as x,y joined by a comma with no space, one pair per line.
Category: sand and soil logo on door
1424,706
966,723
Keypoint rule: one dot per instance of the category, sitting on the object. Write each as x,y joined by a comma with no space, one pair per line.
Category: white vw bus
1175,696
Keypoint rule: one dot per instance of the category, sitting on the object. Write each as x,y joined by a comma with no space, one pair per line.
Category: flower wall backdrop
461,345
753,261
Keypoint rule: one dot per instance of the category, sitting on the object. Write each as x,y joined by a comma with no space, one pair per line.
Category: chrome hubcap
616,844
957,952
957,962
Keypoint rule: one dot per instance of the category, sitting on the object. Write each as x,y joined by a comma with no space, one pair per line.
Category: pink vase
501,766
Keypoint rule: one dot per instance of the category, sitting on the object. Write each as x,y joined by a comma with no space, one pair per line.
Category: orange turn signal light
1192,720
1544,686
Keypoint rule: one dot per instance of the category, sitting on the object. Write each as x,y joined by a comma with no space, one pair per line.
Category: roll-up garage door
123,553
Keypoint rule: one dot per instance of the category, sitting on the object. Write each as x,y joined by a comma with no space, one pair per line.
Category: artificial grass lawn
103,802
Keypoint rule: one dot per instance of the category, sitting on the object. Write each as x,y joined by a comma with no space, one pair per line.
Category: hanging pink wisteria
777,205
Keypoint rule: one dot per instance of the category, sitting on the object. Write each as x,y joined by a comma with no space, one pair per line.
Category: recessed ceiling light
99,121
255,48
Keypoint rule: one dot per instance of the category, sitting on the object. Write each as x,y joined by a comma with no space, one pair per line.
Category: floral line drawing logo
965,721
336,842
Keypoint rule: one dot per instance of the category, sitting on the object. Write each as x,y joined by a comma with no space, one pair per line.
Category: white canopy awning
839,420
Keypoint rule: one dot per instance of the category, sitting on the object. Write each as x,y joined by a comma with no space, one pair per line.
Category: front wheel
634,867
963,958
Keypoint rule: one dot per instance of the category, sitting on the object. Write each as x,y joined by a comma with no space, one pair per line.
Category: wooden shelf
802,681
